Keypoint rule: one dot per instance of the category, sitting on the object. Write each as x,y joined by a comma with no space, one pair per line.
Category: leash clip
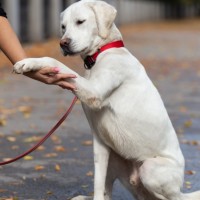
89,62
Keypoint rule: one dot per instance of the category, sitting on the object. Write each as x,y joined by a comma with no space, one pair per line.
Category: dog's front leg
101,157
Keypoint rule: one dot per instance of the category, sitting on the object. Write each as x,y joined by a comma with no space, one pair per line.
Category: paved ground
63,166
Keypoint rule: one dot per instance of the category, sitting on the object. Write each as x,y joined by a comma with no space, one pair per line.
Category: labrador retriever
134,140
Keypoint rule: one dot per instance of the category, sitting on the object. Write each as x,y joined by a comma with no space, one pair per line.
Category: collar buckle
89,62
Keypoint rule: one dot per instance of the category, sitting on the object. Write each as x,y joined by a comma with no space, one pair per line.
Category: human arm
10,45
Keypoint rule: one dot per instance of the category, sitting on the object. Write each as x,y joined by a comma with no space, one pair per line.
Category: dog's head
84,24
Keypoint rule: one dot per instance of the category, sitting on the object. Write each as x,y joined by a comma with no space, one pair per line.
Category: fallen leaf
183,109
11,139
56,139
60,149
10,198
39,167
3,190
2,135
50,155
190,172
6,159
188,123
3,122
87,143
188,184
192,142
49,193
84,186
57,167
32,139
41,148
18,132
90,173
15,147
28,158
26,110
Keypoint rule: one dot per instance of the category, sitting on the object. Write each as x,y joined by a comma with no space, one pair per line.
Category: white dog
134,140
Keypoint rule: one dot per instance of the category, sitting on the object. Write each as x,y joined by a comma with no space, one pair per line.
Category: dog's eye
79,22
63,27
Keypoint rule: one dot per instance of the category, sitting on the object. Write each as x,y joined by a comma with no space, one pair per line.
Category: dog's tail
191,196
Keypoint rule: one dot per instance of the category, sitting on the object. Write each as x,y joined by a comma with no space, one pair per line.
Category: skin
11,47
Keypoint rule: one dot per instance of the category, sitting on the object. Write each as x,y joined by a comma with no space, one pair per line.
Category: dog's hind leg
162,177
115,168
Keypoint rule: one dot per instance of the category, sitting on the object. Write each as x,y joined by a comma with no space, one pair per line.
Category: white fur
134,139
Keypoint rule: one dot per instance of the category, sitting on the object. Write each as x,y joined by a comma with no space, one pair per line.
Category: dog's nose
65,42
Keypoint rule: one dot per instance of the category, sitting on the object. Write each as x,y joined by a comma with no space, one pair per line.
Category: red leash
45,137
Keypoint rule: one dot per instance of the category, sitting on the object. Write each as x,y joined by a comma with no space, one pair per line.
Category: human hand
51,76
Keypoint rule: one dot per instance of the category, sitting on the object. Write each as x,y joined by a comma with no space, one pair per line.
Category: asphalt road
63,166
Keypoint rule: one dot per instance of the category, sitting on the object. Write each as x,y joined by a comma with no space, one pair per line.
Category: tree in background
176,8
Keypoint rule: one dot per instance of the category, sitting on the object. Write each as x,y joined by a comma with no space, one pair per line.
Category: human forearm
9,42
12,48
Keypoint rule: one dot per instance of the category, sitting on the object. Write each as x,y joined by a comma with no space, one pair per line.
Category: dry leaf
49,193
84,186
188,123
6,159
39,167
183,109
55,139
2,135
87,143
192,142
32,139
11,198
60,149
26,110
190,172
90,173
57,167
11,139
15,147
18,132
50,155
188,184
28,158
3,122
3,190
41,148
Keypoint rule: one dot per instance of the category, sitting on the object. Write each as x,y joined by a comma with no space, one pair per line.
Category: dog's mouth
66,51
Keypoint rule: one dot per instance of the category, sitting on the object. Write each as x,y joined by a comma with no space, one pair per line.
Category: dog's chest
109,129
102,123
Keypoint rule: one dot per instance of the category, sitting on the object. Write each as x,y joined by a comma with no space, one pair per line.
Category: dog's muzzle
65,46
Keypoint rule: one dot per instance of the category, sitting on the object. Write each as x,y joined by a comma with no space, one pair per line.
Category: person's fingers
57,78
65,76
55,72
66,85
50,75
49,70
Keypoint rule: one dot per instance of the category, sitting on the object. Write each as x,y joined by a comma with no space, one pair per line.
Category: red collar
89,61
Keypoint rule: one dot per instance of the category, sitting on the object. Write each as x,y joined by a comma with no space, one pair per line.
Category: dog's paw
82,198
27,65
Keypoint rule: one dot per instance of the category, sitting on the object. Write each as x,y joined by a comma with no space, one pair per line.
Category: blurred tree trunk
174,11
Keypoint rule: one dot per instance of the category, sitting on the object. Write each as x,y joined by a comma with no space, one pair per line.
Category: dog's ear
105,15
